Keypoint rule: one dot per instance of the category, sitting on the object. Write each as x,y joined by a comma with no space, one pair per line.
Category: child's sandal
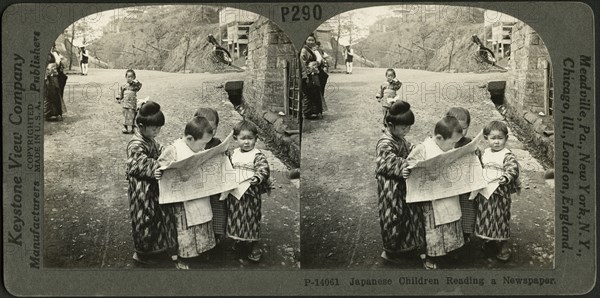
136,257
255,255
428,264
503,255
389,258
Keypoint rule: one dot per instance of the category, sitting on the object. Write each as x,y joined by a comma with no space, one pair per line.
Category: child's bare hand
158,174
405,173
254,180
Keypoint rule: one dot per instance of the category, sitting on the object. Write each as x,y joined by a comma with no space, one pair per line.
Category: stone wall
525,94
264,92
528,61
268,50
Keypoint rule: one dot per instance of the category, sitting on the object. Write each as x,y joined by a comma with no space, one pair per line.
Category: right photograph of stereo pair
427,141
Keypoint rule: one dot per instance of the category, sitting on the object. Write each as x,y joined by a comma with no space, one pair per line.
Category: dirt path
87,221
340,227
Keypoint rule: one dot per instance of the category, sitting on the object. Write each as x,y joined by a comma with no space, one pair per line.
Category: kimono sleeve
305,58
138,163
379,93
136,86
261,168
389,163
510,169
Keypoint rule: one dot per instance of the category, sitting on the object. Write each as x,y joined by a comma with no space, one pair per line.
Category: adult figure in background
54,87
348,57
83,59
55,57
323,69
312,98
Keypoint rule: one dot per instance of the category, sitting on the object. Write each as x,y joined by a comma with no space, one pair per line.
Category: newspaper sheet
203,174
449,174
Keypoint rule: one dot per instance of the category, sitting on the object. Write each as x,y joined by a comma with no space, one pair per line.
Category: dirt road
339,222
86,207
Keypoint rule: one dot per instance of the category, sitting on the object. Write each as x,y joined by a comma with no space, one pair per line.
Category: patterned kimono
440,238
312,97
129,101
468,207
243,217
386,95
191,240
152,224
493,214
219,209
401,223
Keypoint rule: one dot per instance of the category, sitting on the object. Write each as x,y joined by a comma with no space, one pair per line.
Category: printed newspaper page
452,173
203,174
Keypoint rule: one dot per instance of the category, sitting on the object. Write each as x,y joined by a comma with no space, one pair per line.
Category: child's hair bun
399,107
149,108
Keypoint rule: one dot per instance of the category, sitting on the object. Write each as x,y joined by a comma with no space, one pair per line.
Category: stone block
534,39
530,117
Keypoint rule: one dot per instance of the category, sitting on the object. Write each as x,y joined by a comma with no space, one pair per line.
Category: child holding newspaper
195,234
493,213
244,212
219,209
400,222
443,230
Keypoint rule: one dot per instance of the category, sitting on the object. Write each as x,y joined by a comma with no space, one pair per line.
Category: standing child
192,239
128,99
244,215
443,230
468,207
387,93
219,209
401,223
152,223
493,214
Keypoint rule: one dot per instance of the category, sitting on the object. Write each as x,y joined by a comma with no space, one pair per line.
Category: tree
80,28
424,32
345,27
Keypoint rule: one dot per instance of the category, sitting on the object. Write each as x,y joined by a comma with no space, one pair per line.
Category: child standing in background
219,209
387,93
192,239
244,215
493,214
401,223
468,207
443,230
152,223
128,99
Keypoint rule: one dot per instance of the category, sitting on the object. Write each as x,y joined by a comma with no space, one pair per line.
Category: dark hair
197,127
495,125
400,114
150,115
130,71
390,70
209,114
245,125
447,127
317,42
459,113
311,35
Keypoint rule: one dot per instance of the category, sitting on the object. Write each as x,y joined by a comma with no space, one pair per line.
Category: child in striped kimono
493,214
219,209
468,207
244,214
